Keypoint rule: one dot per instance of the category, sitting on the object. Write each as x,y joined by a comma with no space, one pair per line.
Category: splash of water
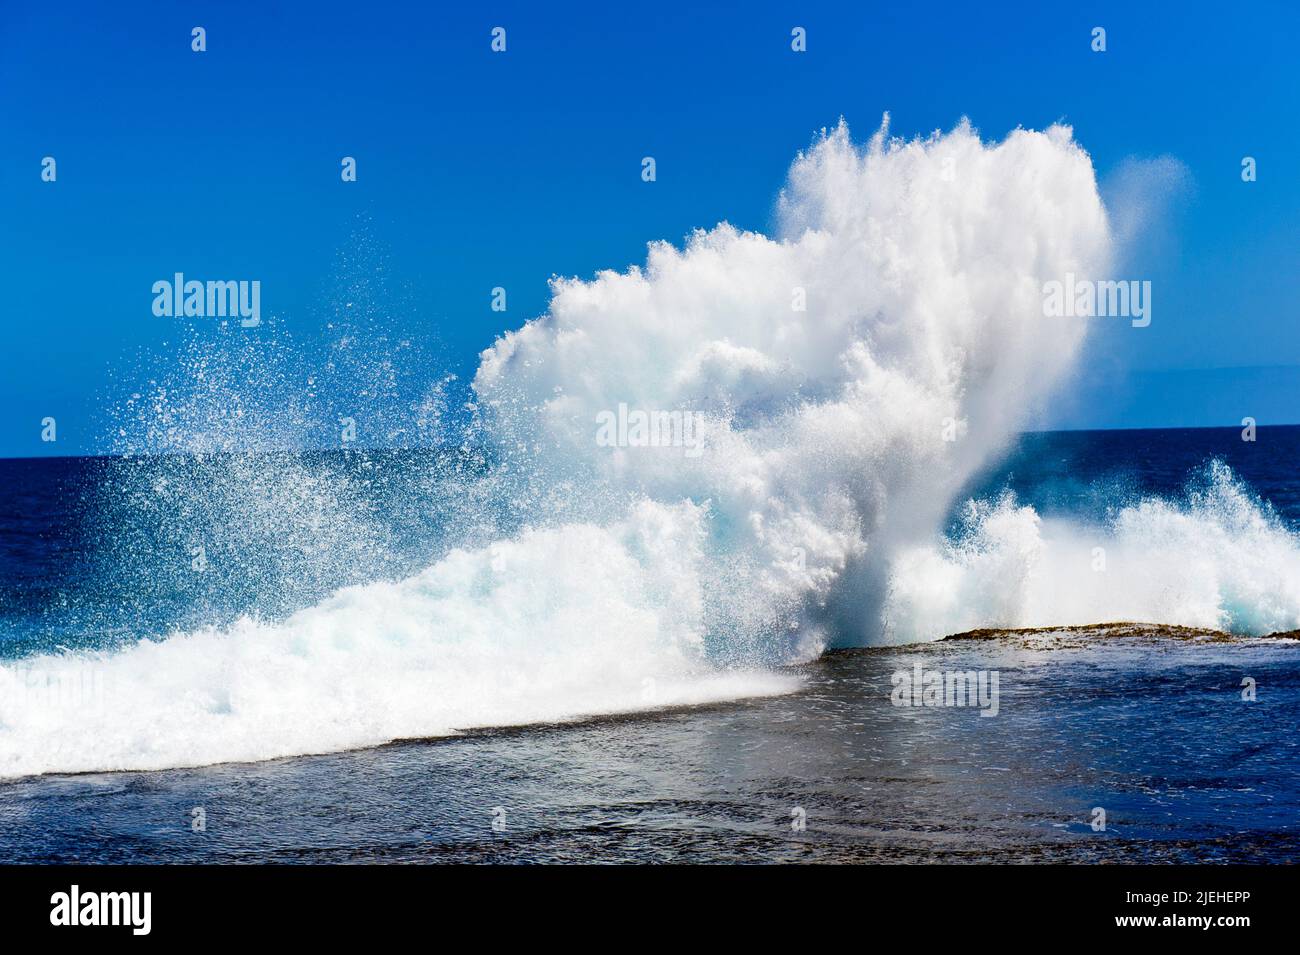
850,374
921,265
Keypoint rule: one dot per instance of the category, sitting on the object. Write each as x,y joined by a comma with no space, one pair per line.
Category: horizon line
455,447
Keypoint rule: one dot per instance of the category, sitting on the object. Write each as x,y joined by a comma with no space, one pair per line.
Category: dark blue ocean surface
1154,733
1089,473
97,551
1156,728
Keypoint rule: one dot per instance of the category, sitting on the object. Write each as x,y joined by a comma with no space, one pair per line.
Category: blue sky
478,170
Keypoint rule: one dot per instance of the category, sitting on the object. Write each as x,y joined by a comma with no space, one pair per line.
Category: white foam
554,625
1218,559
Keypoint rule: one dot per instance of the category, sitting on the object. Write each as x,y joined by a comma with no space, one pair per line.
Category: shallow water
1155,732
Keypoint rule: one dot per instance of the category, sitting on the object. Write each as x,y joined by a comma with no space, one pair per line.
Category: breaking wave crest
1217,559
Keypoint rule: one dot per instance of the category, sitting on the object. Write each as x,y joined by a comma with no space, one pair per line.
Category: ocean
357,656
676,575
